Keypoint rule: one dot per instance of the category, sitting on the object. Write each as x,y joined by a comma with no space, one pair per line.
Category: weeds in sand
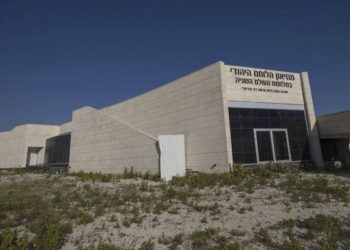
264,237
201,239
49,233
135,218
147,245
286,223
101,246
313,189
236,232
161,207
173,210
210,238
9,239
127,174
176,241
330,231
204,220
214,208
164,240
70,200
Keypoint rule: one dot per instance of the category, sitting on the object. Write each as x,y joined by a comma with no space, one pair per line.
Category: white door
33,157
172,156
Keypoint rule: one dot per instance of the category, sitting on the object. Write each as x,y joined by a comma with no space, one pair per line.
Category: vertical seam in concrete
225,117
314,141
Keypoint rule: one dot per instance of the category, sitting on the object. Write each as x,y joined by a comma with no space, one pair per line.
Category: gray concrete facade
334,131
125,135
14,144
314,140
335,125
192,105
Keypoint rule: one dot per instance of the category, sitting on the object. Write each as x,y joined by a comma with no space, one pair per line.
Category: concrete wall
192,105
252,85
66,128
336,125
248,85
14,144
314,140
343,147
12,147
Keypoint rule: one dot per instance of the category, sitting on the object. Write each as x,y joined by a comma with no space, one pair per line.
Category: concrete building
225,114
334,130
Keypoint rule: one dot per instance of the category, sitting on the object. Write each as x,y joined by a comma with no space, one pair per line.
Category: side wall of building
12,147
36,137
335,125
192,105
14,144
66,128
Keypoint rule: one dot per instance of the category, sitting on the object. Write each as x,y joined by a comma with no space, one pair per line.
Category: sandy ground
265,207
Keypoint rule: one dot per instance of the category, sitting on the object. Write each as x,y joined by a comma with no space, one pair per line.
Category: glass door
281,145
263,146
271,145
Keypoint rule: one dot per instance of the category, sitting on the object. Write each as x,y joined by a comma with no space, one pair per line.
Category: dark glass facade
57,149
243,121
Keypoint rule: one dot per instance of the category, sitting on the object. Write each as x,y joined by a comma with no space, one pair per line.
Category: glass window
263,141
244,120
57,149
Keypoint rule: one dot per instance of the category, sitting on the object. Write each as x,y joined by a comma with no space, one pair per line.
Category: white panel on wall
172,156
33,156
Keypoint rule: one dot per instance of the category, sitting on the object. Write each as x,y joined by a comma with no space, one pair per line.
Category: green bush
321,223
238,175
312,189
176,241
49,233
147,245
127,174
236,232
264,237
9,240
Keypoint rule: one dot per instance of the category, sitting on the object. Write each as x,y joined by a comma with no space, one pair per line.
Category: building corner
314,140
226,115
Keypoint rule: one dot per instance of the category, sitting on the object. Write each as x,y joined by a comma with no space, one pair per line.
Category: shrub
177,241
321,223
10,240
263,236
147,245
201,239
312,189
50,234
80,216
236,232
105,246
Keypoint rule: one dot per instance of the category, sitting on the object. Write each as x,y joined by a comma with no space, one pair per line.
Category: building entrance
272,145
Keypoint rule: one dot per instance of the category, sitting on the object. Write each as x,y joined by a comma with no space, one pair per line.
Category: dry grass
272,207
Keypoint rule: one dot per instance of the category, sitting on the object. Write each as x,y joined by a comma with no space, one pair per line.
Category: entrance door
32,156
271,145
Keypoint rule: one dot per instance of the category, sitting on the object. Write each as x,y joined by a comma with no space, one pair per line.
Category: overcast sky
57,56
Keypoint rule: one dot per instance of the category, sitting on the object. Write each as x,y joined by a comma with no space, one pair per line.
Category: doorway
32,156
272,145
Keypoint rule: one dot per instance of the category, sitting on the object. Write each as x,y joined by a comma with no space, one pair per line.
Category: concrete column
226,115
314,141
